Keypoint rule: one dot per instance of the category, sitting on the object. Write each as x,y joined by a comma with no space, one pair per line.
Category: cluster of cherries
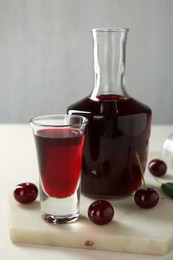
101,212
148,197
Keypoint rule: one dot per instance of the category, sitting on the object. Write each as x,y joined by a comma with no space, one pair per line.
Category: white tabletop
18,164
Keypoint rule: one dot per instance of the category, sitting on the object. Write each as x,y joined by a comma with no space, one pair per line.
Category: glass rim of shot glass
51,120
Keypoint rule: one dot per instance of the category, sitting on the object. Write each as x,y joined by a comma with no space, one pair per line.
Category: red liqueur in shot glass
59,143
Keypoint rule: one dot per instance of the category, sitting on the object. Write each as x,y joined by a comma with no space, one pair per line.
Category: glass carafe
118,124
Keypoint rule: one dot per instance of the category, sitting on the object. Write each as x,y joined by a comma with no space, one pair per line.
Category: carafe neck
109,62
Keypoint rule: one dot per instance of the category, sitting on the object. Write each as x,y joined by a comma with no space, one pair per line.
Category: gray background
46,54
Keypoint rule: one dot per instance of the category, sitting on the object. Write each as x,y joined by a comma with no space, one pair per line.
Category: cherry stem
158,181
142,172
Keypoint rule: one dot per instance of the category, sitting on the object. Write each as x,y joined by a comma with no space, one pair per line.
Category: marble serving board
133,230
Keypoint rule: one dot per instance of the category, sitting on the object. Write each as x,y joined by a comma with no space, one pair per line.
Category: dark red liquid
117,128
60,156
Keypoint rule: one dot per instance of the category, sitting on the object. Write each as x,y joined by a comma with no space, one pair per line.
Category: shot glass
59,141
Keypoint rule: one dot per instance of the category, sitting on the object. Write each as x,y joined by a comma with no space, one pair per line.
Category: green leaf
168,188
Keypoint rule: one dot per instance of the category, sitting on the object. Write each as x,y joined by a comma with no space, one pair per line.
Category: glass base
59,210
59,219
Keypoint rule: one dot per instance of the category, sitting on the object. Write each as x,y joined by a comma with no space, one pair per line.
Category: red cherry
25,192
157,167
100,212
146,198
